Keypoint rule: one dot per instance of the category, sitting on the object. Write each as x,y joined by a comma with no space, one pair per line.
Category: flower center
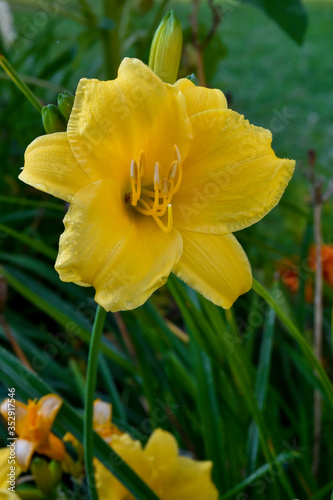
155,202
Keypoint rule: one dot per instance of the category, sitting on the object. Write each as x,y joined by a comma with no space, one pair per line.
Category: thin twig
200,46
318,310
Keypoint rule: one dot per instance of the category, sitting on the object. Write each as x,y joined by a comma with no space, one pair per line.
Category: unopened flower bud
65,103
41,474
55,472
53,120
166,48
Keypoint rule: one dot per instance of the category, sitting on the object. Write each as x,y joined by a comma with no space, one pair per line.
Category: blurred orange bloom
289,274
33,424
327,262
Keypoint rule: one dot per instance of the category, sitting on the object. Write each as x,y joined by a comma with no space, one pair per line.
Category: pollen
155,202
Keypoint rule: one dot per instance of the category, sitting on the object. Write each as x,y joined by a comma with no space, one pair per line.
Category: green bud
55,472
65,103
41,474
53,120
166,48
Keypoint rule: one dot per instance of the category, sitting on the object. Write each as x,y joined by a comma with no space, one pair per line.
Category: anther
157,176
173,170
141,163
177,153
134,171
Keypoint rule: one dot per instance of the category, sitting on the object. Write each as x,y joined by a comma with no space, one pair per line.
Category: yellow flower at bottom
5,470
33,424
158,176
169,475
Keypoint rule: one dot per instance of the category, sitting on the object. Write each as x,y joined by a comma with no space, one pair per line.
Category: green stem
296,334
88,439
110,37
8,68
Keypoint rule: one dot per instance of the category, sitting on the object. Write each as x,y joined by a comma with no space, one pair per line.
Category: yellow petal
50,166
214,265
163,447
192,480
8,495
49,406
24,450
200,98
7,465
102,413
231,177
109,245
113,121
53,448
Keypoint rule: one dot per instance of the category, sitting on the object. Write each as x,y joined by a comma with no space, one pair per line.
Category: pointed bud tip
166,48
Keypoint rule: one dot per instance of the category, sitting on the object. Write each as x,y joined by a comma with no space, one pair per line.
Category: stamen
156,202
157,176
141,166
165,187
134,171
134,181
166,228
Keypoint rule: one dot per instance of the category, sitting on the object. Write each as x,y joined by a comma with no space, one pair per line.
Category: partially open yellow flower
158,176
171,476
33,424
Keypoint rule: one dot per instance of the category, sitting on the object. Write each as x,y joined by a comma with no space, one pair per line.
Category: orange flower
33,424
327,262
289,274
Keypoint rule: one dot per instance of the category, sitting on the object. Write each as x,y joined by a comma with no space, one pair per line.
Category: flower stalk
88,437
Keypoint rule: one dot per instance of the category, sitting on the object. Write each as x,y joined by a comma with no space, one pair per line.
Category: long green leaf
32,243
290,15
298,337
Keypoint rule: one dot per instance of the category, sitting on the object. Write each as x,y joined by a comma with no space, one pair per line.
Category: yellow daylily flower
33,424
6,462
170,476
158,176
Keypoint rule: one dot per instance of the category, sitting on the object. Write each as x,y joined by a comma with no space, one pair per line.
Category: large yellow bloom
171,476
158,176
33,424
